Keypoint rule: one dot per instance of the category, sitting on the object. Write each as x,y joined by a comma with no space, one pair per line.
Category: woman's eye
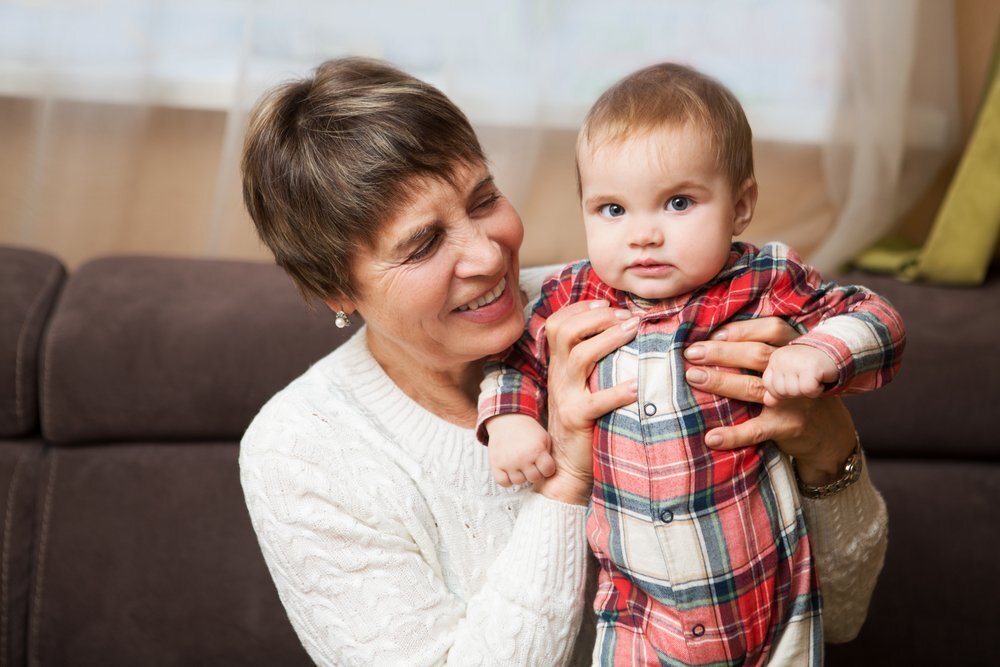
612,210
487,203
679,203
425,249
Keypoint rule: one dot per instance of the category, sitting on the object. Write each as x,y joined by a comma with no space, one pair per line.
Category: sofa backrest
939,405
152,348
29,284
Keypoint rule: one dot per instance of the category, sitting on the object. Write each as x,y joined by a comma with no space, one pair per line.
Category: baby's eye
679,203
612,210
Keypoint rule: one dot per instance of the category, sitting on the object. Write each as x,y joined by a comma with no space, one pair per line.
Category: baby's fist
797,370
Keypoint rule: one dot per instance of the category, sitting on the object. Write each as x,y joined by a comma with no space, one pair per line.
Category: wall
152,173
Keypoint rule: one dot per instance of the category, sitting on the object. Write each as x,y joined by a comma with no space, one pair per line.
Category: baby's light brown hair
671,95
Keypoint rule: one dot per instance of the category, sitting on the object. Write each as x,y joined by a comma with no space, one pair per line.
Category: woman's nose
481,255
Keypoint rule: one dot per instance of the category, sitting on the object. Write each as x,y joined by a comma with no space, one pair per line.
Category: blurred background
121,121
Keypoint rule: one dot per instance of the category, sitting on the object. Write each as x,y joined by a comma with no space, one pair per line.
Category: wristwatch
849,474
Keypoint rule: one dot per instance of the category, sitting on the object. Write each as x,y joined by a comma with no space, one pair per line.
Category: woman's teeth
487,298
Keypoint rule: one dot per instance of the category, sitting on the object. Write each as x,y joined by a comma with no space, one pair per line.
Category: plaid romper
704,554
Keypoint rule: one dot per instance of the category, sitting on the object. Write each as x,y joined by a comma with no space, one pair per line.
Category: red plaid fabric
704,555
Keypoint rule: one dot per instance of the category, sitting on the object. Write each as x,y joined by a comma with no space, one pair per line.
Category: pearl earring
342,320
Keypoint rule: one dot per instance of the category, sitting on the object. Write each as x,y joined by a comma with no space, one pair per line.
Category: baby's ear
743,207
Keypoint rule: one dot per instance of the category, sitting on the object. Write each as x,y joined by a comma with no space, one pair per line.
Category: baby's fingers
516,477
546,465
770,400
810,386
501,477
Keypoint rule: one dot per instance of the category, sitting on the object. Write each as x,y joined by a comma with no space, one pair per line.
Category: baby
704,554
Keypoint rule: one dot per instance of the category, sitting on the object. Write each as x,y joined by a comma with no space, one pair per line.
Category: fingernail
598,304
630,324
718,335
633,386
713,440
623,314
696,376
694,352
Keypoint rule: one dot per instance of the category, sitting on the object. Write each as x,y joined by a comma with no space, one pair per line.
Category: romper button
698,630
666,516
649,409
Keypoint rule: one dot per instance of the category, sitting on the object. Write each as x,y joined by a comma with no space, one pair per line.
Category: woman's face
440,289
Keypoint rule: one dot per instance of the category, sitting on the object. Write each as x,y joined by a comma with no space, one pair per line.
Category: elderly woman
387,538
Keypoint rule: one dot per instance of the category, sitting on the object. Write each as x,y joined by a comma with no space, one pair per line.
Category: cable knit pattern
389,543
387,538
849,533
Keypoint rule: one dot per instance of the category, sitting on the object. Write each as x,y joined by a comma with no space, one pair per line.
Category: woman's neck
450,392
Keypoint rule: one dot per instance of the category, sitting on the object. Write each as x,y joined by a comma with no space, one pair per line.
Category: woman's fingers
741,387
612,398
586,353
749,355
771,330
750,432
784,421
580,321
578,336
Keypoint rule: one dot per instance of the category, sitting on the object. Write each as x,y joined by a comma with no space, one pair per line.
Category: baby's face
659,212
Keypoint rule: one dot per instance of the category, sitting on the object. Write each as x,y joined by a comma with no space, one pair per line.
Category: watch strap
850,472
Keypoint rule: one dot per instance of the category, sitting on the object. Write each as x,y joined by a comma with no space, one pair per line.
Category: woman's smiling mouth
487,298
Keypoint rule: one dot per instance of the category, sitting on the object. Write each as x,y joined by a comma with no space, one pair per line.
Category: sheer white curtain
869,87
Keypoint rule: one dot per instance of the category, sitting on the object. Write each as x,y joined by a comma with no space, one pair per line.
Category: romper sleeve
853,325
516,382
350,545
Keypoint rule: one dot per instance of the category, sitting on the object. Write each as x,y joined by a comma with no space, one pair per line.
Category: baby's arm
855,328
515,386
519,450
797,370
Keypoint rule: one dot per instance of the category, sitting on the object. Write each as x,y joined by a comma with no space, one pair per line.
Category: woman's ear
339,303
743,207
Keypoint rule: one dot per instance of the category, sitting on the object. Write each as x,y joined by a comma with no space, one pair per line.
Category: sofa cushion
166,349
146,556
937,593
940,404
29,283
20,463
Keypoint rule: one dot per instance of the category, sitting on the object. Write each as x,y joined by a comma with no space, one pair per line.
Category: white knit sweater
389,542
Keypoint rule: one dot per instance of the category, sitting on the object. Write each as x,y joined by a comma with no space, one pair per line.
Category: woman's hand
578,336
818,433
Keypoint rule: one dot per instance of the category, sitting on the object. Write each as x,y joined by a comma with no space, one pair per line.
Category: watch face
853,467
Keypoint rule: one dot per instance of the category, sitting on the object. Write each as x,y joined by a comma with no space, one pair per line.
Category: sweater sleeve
351,549
849,535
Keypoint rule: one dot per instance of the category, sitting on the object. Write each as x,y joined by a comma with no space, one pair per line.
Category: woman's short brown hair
329,158
669,94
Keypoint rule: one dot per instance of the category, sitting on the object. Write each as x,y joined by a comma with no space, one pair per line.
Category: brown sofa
125,387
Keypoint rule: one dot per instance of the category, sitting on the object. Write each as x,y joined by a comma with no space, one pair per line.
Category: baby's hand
519,450
797,370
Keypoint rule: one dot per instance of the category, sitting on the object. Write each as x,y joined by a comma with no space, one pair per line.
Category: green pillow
965,233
